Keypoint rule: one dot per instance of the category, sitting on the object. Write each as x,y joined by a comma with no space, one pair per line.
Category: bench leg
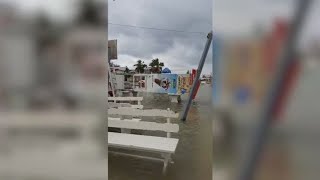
134,93
127,131
167,160
175,98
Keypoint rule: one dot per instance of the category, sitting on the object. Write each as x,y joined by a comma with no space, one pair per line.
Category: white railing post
168,122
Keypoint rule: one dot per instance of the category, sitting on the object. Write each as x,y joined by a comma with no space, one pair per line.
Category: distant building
118,70
147,70
84,67
73,64
132,71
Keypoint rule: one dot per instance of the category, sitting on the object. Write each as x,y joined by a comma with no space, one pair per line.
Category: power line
157,29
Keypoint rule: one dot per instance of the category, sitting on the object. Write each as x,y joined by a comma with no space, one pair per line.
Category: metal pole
195,82
260,137
216,71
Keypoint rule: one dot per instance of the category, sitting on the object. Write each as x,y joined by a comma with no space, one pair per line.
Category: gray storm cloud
183,50
176,49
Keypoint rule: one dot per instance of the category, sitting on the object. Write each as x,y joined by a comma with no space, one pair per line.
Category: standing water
193,157
292,152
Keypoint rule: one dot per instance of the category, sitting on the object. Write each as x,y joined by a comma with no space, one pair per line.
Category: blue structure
166,71
242,94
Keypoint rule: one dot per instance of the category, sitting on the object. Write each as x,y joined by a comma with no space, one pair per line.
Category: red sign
274,45
290,80
193,76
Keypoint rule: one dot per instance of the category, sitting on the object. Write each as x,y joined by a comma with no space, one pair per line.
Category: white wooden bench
116,105
34,135
166,146
81,121
51,124
120,100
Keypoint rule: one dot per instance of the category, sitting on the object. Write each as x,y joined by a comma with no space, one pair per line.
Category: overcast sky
178,51
58,9
182,51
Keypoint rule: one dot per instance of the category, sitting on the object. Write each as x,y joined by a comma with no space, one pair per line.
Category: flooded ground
293,149
292,152
193,157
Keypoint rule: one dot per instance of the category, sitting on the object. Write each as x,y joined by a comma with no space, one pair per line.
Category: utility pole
195,82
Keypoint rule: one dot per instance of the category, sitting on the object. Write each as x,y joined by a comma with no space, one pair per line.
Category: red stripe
290,81
196,90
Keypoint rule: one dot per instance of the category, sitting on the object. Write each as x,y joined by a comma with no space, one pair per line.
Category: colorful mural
184,85
156,83
248,65
163,83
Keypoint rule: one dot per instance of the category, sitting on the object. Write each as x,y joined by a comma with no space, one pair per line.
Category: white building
84,67
17,61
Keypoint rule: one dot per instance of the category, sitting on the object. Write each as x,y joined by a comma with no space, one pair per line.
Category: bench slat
116,105
119,119
140,125
137,106
47,119
139,142
125,98
125,111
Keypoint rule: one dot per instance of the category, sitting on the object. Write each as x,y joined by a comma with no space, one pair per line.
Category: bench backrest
140,125
130,99
143,125
83,123
116,105
125,111
57,119
118,100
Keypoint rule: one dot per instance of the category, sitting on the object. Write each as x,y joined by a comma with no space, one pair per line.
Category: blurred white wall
17,60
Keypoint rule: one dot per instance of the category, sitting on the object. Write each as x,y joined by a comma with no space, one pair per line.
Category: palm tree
126,73
47,35
127,70
45,31
140,66
156,66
